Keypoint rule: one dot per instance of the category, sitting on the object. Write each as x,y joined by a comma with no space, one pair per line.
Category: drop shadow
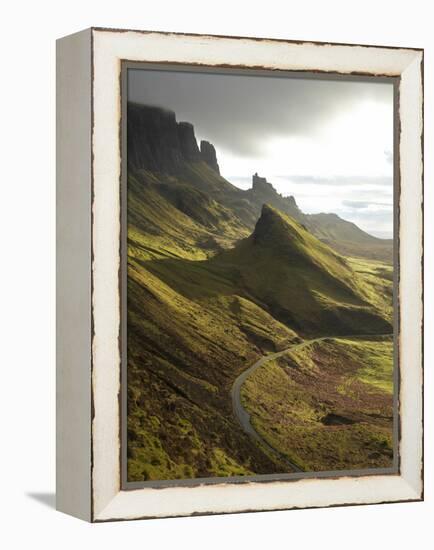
47,499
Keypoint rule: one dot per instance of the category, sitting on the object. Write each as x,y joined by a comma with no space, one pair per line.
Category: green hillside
302,281
168,218
197,317
190,332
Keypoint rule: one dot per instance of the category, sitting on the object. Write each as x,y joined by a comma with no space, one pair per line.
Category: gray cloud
364,204
239,112
374,222
356,204
389,156
385,181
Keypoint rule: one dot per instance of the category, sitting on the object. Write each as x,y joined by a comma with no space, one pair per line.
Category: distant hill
344,236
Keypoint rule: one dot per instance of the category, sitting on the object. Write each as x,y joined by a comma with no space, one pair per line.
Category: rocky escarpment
157,142
209,155
263,192
187,142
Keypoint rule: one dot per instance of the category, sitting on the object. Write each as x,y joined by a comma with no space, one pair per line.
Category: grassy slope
380,250
328,406
189,335
199,312
183,355
377,280
191,227
304,283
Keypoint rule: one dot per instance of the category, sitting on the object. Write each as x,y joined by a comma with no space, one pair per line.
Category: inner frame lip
241,70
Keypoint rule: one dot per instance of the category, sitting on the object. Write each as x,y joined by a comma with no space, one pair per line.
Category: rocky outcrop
158,143
152,139
209,155
187,142
263,192
261,185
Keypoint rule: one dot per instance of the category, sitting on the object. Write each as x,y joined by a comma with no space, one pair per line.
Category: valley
220,279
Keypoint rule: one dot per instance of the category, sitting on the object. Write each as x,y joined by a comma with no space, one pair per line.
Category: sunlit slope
168,217
302,281
185,347
190,333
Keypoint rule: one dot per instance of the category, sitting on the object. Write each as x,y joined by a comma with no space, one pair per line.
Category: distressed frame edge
73,275
412,122
409,490
253,38
111,512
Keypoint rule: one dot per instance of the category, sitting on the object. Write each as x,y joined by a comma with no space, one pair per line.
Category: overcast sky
329,143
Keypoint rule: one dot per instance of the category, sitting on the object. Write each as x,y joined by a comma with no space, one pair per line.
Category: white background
27,400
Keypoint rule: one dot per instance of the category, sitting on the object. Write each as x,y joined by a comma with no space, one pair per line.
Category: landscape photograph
259,278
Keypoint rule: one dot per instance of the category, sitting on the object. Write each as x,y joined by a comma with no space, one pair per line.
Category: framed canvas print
239,305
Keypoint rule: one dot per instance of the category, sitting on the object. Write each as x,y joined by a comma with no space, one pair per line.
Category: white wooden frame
88,206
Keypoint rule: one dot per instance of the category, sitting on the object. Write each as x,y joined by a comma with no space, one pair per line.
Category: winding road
244,417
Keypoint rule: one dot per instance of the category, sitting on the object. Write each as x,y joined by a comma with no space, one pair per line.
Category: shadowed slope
303,282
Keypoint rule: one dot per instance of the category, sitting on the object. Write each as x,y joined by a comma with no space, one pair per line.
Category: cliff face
209,155
152,139
187,142
157,142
